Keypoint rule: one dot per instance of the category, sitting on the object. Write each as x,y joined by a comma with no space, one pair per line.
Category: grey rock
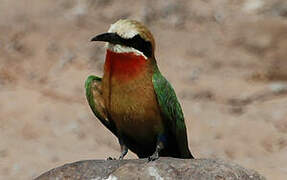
163,168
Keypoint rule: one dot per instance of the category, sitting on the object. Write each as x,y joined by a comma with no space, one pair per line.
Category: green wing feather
93,95
171,111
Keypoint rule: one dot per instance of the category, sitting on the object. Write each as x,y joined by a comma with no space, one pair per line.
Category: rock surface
164,168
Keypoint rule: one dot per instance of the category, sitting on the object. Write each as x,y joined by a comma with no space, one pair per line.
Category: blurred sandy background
226,60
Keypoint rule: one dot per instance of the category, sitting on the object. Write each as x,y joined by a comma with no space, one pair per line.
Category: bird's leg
124,149
159,147
155,155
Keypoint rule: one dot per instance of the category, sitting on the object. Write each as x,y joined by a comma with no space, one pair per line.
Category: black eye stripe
136,42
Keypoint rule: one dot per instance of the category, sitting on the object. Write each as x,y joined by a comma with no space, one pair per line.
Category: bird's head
127,36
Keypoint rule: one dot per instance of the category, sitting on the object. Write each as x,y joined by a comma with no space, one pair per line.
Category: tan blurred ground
226,60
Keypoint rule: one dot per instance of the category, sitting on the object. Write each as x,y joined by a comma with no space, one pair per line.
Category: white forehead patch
124,49
123,28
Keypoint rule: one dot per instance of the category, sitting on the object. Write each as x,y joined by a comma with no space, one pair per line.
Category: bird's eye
136,42
140,44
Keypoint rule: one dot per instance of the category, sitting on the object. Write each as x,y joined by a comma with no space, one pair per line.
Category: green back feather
171,111
90,87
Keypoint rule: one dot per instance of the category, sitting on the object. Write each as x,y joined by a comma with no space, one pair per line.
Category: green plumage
92,86
171,111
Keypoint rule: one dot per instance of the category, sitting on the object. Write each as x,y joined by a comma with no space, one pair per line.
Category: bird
133,99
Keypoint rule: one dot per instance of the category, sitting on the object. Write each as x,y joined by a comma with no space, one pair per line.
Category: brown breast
132,104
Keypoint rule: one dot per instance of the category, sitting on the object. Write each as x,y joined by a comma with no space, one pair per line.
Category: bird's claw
121,157
153,157
110,158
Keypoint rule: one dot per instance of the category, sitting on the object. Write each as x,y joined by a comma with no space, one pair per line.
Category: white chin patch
124,49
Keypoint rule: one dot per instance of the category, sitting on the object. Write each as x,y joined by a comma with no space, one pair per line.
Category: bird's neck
124,66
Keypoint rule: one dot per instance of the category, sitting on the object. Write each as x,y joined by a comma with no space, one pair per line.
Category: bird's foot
153,157
110,158
121,157
124,150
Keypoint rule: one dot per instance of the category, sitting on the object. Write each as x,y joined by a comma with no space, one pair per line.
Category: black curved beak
108,37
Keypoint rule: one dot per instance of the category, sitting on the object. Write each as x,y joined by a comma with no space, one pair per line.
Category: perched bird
133,99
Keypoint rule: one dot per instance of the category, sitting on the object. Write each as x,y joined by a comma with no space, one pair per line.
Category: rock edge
163,168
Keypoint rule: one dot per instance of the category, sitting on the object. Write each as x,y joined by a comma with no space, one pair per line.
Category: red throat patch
124,66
